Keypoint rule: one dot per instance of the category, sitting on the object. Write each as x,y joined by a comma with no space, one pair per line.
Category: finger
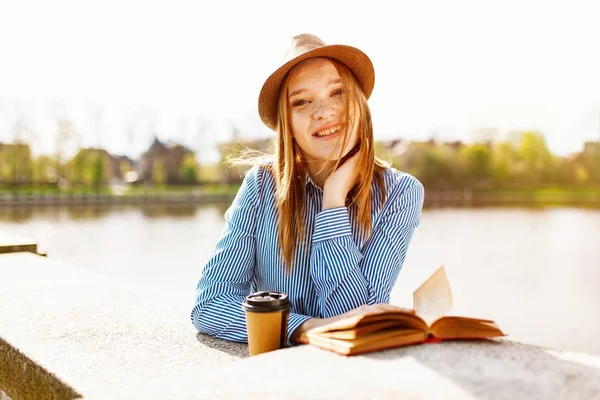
349,163
346,160
369,309
391,307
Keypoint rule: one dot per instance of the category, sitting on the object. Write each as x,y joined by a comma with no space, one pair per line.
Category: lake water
535,271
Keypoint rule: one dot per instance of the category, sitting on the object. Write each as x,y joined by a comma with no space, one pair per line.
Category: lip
329,126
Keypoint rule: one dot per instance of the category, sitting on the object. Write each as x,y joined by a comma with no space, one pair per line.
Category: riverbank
25,199
588,197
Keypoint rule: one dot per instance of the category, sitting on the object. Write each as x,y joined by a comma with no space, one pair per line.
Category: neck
319,171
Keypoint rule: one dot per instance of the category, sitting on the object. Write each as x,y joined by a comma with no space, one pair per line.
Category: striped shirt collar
310,180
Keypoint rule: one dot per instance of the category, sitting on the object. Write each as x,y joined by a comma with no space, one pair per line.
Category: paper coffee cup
266,321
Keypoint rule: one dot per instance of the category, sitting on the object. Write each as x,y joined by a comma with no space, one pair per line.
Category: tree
77,168
16,158
44,169
66,143
537,159
90,167
505,164
590,159
476,162
98,170
15,163
435,166
189,172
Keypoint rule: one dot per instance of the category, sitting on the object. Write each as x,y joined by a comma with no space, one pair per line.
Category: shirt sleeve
347,277
227,276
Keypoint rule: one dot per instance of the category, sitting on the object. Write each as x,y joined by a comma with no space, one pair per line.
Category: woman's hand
366,309
374,309
340,182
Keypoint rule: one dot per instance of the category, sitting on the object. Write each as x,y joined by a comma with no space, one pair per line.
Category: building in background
163,163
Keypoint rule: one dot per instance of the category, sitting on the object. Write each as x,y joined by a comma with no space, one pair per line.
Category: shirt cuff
331,223
295,320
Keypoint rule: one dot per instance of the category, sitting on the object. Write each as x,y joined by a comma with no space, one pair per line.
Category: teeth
327,132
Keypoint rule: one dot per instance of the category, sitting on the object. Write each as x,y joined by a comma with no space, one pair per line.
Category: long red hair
290,172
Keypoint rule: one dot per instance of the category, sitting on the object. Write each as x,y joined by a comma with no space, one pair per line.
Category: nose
323,110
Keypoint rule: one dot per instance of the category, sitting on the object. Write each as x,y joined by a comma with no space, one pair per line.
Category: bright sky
442,67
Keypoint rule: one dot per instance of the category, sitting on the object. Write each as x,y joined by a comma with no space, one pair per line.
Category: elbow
200,320
214,324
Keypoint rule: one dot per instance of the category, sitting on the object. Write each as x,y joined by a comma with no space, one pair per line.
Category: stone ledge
26,379
451,370
66,331
103,338
16,244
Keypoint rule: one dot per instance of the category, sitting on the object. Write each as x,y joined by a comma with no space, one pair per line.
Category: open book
387,329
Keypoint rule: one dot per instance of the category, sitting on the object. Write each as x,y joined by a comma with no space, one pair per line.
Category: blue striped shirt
339,270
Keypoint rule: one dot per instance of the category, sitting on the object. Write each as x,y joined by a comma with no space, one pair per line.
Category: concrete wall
66,332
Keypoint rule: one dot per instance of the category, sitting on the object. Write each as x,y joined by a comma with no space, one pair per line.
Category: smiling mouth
328,131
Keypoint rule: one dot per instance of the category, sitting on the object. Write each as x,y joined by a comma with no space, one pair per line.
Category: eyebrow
331,82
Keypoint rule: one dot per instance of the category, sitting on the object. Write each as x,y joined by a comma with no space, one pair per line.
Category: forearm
221,317
339,281
334,264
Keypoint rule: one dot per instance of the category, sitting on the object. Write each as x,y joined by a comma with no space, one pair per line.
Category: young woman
324,221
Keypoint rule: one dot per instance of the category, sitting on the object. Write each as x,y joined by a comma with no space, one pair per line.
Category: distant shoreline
108,199
513,197
433,198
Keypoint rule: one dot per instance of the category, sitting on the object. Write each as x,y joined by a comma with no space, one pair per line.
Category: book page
433,298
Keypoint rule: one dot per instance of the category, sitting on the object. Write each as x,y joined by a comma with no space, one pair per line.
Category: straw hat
307,46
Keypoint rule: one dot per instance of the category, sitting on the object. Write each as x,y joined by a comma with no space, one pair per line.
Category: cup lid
267,298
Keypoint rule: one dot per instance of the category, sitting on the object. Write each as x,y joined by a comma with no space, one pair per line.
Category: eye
337,92
299,103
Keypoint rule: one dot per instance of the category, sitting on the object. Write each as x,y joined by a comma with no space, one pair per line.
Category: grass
542,196
546,191
196,189
584,197
212,189
43,190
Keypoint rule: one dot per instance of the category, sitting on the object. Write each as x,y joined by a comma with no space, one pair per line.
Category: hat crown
301,44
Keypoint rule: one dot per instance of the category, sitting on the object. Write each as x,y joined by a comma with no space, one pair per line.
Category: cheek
299,125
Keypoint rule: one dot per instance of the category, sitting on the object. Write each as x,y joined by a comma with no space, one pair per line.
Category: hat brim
358,62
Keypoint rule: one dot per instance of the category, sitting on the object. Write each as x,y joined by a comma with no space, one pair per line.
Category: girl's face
318,110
